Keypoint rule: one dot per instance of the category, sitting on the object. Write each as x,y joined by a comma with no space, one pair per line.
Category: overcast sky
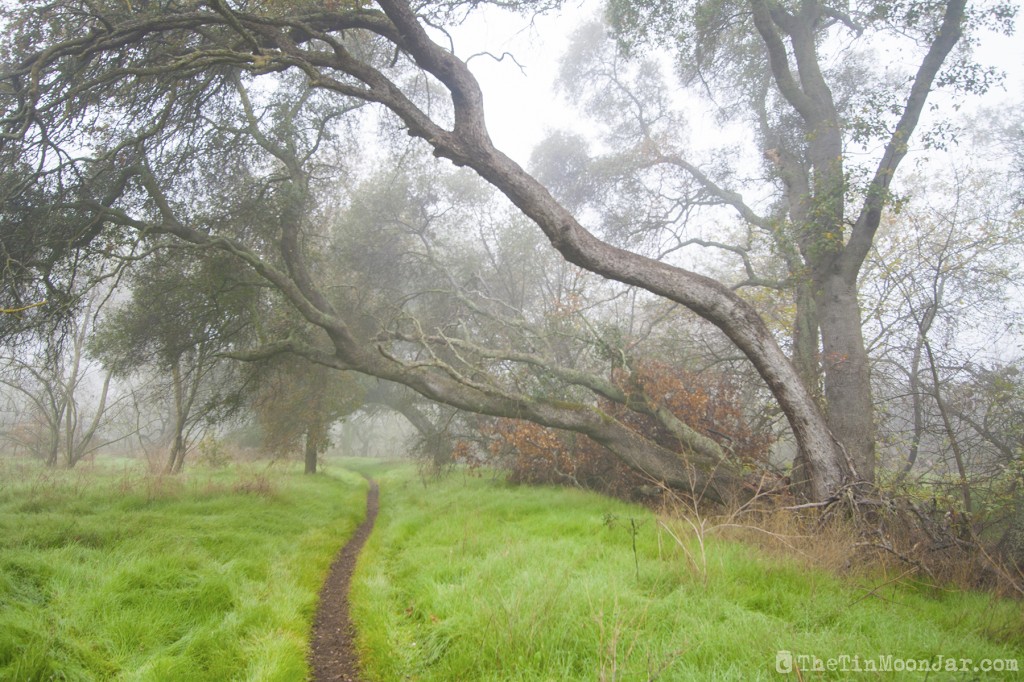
522,105
520,102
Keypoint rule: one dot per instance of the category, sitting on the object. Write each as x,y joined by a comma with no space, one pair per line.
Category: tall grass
470,579
121,575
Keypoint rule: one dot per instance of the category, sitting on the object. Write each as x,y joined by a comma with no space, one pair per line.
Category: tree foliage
226,124
297,403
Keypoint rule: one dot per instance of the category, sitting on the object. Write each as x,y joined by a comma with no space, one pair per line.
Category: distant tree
297,402
940,301
989,412
62,396
186,310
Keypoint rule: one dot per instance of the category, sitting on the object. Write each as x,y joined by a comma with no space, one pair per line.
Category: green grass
211,576
470,579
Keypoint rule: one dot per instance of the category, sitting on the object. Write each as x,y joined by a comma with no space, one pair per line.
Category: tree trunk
806,339
917,408
53,445
847,376
176,458
923,327
947,425
807,360
80,449
311,451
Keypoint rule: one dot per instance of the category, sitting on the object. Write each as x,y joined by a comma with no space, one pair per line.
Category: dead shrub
891,538
535,455
707,402
258,484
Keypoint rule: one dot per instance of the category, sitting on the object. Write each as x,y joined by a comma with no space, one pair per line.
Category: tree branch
897,147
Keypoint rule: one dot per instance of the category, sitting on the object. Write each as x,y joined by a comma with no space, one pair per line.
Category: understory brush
888,537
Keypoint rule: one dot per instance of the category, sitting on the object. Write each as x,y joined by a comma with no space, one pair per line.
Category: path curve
333,656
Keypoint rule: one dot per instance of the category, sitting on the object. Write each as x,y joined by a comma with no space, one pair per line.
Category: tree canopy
236,127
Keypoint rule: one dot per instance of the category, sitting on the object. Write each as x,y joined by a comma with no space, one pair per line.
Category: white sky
521,107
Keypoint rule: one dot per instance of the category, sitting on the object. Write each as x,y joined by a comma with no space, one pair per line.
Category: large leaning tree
823,102
104,119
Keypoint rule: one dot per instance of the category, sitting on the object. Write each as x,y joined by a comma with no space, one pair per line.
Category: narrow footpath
333,656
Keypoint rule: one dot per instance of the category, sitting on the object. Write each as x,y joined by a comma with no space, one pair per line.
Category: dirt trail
333,653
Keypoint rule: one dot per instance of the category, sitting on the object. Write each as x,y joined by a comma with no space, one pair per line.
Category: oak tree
121,112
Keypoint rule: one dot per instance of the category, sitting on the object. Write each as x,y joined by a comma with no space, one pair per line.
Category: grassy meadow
112,574
471,579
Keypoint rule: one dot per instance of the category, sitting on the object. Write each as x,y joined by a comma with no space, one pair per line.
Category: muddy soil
333,656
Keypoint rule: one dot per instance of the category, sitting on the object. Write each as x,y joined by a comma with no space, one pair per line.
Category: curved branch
708,298
778,60
896,149
726,196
